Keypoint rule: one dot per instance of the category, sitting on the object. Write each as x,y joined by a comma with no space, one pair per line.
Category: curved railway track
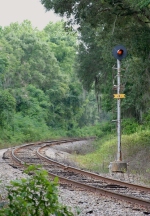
34,153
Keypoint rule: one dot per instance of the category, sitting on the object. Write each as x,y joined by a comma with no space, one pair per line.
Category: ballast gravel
81,203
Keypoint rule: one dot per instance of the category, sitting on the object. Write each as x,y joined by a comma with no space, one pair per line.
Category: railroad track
34,153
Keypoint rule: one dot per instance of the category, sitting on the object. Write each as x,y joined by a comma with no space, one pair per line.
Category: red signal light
120,52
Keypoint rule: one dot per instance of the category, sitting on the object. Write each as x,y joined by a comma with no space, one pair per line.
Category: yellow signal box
118,96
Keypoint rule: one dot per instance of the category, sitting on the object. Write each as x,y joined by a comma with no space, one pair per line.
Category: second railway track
34,153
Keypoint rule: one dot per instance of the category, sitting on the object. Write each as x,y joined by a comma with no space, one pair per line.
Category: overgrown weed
135,151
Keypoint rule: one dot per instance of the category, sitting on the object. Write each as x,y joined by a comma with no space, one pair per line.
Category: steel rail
127,198
51,142
114,195
119,196
94,175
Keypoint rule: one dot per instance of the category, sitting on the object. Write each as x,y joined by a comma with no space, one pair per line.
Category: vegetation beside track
135,151
34,196
135,145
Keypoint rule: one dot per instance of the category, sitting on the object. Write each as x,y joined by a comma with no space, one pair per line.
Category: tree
32,60
39,70
97,12
63,44
102,25
7,108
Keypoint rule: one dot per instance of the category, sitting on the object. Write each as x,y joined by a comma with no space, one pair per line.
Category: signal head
119,52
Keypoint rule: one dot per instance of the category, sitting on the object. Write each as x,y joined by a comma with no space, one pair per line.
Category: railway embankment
85,203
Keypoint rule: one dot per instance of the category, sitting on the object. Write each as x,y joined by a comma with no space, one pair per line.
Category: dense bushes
129,126
34,196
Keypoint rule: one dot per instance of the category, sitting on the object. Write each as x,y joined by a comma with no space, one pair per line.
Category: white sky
19,10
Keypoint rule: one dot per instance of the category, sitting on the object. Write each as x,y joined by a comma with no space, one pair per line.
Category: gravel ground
84,203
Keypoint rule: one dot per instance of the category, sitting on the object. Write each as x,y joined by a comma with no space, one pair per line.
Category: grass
98,155
98,160
135,150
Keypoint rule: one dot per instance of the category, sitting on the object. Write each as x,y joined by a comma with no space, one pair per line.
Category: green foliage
32,102
3,65
34,196
95,63
7,108
105,13
129,126
106,127
63,44
146,119
44,93
98,130
143,3
44,96
28,129
105,151
86,131
103,25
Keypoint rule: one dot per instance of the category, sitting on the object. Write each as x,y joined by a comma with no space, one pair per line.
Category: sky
20,10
